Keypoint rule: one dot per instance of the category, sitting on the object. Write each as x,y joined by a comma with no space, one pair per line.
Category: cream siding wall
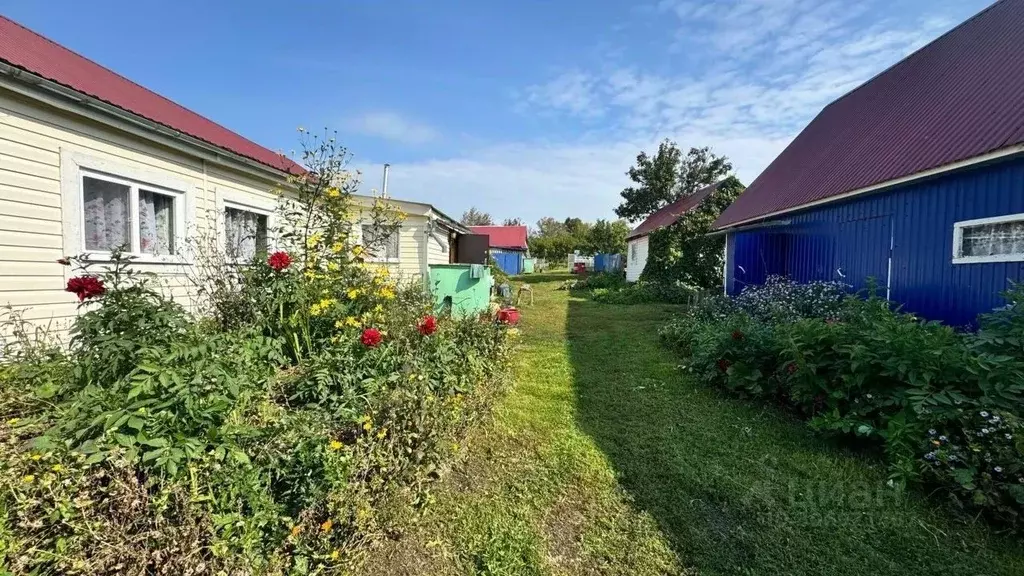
38,146
636,258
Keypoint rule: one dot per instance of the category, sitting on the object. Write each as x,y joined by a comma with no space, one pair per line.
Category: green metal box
454,286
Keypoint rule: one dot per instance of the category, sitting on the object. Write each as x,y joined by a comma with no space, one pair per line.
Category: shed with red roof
912,183
507,245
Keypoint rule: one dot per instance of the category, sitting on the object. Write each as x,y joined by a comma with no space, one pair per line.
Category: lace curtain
156,223
380,248
994,239
245,233
107,217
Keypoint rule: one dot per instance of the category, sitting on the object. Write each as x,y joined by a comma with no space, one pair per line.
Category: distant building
914,179
637,240
507,245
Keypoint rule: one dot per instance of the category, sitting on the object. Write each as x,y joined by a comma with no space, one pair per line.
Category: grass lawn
607,460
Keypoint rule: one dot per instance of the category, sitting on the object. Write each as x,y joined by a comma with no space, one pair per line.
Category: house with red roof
506,244
912,183
637,239
90,160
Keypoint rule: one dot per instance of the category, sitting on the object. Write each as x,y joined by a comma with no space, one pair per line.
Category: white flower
984,414
998,469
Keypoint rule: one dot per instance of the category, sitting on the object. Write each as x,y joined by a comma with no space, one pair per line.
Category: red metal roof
29,51
959,97
503,236
669,214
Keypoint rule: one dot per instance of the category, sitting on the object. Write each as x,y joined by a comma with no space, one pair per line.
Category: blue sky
524,109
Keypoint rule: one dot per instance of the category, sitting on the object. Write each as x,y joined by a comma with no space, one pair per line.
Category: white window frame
76,166
246,203
958,239
398,247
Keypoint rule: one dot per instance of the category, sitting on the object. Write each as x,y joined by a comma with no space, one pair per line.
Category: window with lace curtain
137,217
383,249
999,239
245,233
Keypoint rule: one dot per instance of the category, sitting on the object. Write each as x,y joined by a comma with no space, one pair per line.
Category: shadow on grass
742,489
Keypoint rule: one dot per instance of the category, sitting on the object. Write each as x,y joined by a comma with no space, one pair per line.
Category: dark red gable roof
503,236
29,51
669,214
959,97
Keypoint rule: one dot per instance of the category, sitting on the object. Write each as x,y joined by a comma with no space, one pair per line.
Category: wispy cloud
392,126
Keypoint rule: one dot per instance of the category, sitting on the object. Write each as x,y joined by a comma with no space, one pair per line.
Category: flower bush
306,417
855,368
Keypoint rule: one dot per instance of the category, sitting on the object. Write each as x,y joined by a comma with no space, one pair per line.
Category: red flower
723,364
371,337
737,335
86,287
279,261
427,326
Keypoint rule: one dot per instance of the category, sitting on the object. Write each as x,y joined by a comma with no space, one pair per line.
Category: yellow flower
368,426
353,293
383,432
357,249
313,240
28,479
57,468
335,555
37,457
322,306
296,530
13,421
387,293
382,272
337,247
379,308
333,266
336,445
352,321
309,274
327,525
333,192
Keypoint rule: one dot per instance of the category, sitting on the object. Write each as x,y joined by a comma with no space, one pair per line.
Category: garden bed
944,405
304,416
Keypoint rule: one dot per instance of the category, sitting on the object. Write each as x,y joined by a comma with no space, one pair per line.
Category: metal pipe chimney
384,186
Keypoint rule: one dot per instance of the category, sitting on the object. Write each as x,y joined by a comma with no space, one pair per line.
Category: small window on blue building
999,239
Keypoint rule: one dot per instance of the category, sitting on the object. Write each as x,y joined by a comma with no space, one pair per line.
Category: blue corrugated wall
851,240
510,262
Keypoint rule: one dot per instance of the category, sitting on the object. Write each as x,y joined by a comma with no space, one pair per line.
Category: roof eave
974,161
68,99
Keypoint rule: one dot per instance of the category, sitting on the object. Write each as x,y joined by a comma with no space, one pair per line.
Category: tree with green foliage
683,252
512,222
608,237
668,176
474,217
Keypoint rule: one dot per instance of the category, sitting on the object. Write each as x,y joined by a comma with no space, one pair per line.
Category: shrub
783,300
856,368
980,457
613,289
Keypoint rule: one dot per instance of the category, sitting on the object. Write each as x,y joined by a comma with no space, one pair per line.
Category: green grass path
605,459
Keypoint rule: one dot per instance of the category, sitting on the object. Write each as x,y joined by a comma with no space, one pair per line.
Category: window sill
989,259
105,258
382,260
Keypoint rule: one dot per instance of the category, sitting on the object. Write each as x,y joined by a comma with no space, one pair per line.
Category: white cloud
392,126
756,72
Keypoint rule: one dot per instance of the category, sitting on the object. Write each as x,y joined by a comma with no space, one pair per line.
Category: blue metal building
902,237
914,179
